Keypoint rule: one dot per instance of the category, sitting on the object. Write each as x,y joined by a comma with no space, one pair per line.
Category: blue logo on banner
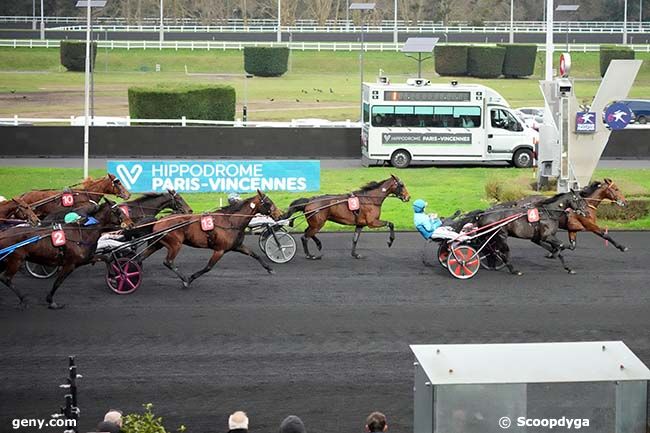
217,176
586,122
618,116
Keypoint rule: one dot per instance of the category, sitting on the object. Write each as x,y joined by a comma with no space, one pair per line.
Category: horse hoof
270,271
357,256
571,271
55,306
518,273
390,244
186,284
624,249
549,256
310,257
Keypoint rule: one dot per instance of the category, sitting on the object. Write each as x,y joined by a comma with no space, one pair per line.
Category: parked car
640,110
532,116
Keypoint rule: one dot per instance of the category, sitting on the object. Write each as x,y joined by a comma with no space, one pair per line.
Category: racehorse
227,233
320,209
78,250
16,211
541,232
47,201
594,194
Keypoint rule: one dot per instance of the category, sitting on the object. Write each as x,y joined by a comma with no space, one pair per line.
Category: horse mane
553,199
590,189
145,196
236,206
371,185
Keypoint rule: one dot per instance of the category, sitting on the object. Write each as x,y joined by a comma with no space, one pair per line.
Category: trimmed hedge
73,55
451,59
485,62
519,60
172,101
611,52
266,61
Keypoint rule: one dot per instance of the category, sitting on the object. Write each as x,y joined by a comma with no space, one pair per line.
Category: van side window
501,119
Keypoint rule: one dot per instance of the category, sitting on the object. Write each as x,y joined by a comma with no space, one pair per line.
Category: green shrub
451,59
145,422
611,52
635,209
519,60
485,62
172,101
266,61
73,55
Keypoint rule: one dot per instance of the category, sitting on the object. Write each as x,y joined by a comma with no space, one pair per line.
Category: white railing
296,46
183,121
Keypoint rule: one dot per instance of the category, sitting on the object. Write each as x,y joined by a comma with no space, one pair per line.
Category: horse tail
295,206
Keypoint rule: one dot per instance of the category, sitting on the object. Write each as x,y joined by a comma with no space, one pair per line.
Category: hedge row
266,61
611,52
172,101
73,55
511,60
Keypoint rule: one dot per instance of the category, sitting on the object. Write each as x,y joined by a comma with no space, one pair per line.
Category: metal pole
347,15
279,21
33,14
512,21
361,66
625,23
162,29
92,78
42,22
395,24
86,91
640,14
549,40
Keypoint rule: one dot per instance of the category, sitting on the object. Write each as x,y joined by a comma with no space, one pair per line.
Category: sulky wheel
492,261
264,235
123,276
443,254
463,262
282,250
40,271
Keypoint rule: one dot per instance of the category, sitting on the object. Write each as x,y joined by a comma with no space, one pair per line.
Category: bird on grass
331,90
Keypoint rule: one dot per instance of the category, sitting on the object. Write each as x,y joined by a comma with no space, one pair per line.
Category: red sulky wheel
123,276
443,254
463,262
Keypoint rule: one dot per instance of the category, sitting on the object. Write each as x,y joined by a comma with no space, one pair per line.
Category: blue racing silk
91,221
425,224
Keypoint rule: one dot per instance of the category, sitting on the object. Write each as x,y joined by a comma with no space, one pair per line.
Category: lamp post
512,21
625,23
568,9
641,15
88,4
347,15
361,7
42,22
549,41
279,21
162,30
33,14
395,24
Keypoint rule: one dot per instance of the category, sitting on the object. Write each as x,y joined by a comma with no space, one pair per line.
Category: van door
504,133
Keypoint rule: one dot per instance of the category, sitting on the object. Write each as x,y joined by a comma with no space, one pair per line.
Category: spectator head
376,422
292,424
114,416
238,421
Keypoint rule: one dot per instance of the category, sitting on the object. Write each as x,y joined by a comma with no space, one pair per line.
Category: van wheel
642,120
400,159
523,158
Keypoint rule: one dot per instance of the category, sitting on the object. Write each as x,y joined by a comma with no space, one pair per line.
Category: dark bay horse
47,201
320,209
542,232
16,211
81,242
226,235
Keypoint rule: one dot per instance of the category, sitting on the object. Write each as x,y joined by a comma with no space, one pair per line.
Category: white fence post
183,121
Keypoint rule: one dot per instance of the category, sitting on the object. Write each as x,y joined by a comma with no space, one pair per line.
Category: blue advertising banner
586,122
217,176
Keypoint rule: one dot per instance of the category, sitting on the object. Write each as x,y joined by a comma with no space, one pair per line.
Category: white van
420,121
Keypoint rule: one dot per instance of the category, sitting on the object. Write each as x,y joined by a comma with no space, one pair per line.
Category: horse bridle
399,188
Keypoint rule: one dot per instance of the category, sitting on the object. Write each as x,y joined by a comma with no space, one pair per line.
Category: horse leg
243,249
318,243
503,251
11,269
573,240
65,271
592,227
391,229
216,255
172,252
558,247
311,233
355,239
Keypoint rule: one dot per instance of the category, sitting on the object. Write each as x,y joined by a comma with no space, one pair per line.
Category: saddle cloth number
125,210
353,203
533,215
58,238
67,200
207,223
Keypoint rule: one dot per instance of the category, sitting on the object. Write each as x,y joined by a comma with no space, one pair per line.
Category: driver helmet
233,198
419,205
71,217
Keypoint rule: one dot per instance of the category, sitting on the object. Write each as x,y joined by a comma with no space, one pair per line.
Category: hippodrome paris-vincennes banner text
217,176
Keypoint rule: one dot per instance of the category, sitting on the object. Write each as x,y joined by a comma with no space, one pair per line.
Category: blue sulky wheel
463,262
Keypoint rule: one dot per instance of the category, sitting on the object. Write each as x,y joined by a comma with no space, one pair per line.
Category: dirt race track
326,340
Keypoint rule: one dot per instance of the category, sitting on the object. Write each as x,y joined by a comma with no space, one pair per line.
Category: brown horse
15,210
320,209
226,235
78,250
47,201
594,194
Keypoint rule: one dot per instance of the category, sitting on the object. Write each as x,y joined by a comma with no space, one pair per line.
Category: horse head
108,184
24,212
265,206
612,192
178,203
112,214
398,188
